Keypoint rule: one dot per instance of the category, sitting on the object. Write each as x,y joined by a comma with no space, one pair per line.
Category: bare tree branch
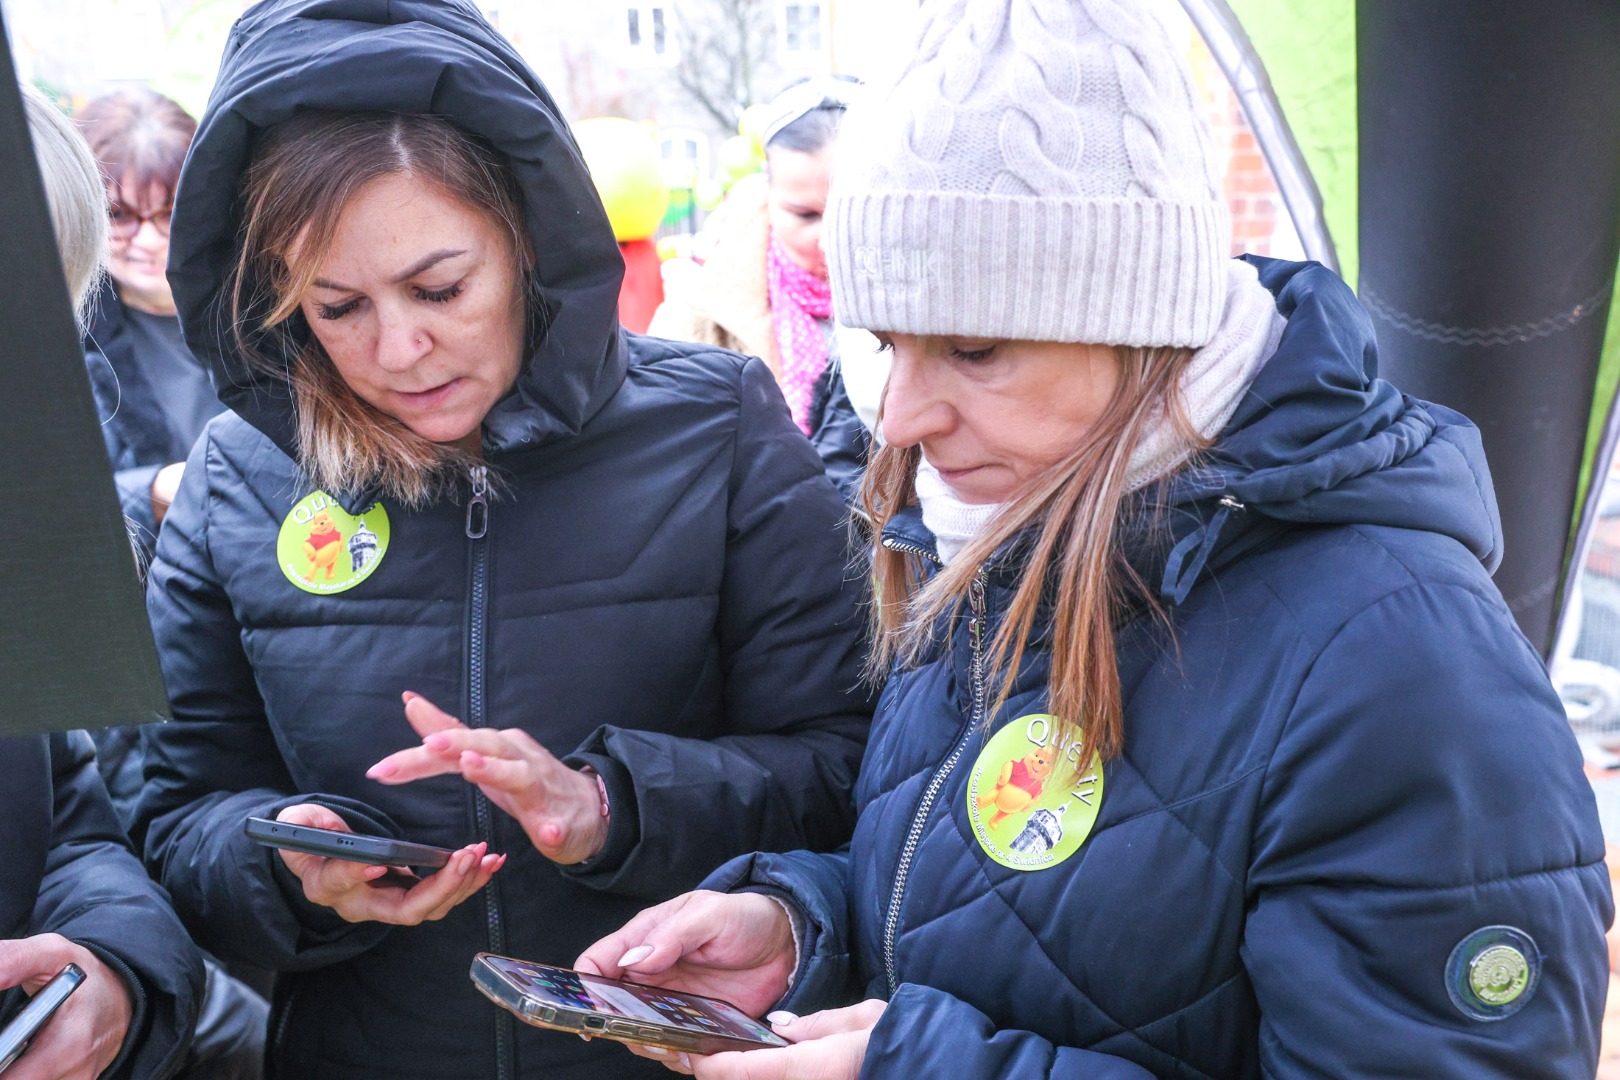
722,45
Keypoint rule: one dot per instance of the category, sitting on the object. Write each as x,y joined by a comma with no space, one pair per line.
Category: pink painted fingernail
635,955
375,872
409,696
436,741
686,1062
655,1051
382,770
781,1018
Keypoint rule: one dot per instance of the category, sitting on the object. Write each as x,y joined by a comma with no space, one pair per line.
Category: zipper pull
976,621
478,505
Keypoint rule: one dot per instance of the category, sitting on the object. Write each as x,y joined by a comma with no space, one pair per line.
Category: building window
648,27
801,28
684,154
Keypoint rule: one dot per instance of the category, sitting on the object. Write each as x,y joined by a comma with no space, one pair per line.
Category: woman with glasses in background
153,395
154,399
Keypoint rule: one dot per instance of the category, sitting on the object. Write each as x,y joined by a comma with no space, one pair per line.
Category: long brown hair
294,193
1074,565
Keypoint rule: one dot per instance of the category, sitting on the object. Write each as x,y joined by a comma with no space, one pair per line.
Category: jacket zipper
891,923
477,529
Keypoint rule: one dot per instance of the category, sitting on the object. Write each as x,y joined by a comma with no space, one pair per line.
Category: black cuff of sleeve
624,822
138,1011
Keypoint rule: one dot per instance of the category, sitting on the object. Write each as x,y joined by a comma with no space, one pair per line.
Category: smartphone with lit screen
565,1000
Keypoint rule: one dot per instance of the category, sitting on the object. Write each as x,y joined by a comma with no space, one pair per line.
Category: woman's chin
444,433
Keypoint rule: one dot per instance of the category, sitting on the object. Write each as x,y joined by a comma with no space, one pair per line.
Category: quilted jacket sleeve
924,1032
796,711
217,763
95,892
1426,786
927,1032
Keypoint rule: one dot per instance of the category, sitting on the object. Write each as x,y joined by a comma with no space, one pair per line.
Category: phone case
510,995
353,847
16,1036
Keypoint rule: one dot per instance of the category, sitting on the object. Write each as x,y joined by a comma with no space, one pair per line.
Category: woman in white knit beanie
1208,748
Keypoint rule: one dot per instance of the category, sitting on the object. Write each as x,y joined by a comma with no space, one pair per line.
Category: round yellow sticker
1031,801
324,549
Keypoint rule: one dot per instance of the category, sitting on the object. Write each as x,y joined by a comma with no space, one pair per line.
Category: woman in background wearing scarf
763,289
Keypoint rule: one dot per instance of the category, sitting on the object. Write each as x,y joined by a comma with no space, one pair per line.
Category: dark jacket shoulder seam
1397,887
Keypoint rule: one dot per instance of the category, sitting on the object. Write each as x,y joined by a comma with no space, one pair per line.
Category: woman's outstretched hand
362,893
559,808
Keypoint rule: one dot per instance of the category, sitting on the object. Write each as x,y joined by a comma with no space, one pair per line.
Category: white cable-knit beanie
1038,171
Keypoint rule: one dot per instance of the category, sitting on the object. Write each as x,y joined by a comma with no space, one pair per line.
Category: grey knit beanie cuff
1146,272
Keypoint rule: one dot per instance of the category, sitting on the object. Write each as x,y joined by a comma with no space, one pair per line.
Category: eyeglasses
125,223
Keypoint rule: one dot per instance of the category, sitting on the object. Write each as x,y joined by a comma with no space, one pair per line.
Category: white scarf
1211,387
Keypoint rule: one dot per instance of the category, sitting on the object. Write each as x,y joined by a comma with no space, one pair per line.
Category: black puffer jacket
66,869
662,594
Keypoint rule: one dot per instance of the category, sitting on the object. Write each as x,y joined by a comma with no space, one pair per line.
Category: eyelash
440,296
432,296
971,357
331,311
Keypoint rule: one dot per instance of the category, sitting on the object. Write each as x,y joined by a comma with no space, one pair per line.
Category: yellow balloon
623,158
736,159
752,126
710,192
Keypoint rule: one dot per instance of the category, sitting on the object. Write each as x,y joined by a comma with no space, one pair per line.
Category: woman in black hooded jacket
449,474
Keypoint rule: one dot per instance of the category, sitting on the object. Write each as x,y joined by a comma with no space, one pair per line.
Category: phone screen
577,990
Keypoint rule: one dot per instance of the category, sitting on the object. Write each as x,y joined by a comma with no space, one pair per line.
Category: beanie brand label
1032,799
323,549
917,264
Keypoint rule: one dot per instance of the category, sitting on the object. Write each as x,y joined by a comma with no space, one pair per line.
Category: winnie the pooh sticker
1030,800
323,549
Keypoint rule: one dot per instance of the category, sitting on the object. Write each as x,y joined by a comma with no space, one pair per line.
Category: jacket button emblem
323,549
1492,973
1032,797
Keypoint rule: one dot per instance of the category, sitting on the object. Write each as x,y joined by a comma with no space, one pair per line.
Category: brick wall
1251,193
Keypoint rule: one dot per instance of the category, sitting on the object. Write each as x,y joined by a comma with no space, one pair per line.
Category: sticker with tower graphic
1032,798
323,549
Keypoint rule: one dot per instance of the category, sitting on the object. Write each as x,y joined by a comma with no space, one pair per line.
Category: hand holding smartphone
350,847
16,1035
351,873
576,1001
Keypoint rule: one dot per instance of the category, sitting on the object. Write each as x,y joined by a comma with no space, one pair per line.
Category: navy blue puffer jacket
1350,763
661,593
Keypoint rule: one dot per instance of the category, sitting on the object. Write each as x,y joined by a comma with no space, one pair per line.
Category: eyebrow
422,265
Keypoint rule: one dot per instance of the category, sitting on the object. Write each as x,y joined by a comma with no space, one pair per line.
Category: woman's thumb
828,1022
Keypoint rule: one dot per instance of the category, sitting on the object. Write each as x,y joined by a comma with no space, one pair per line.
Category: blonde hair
74,192
1075,570
294,192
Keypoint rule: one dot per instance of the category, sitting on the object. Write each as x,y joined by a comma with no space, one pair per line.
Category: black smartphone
564,1000
351,847
16,1036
